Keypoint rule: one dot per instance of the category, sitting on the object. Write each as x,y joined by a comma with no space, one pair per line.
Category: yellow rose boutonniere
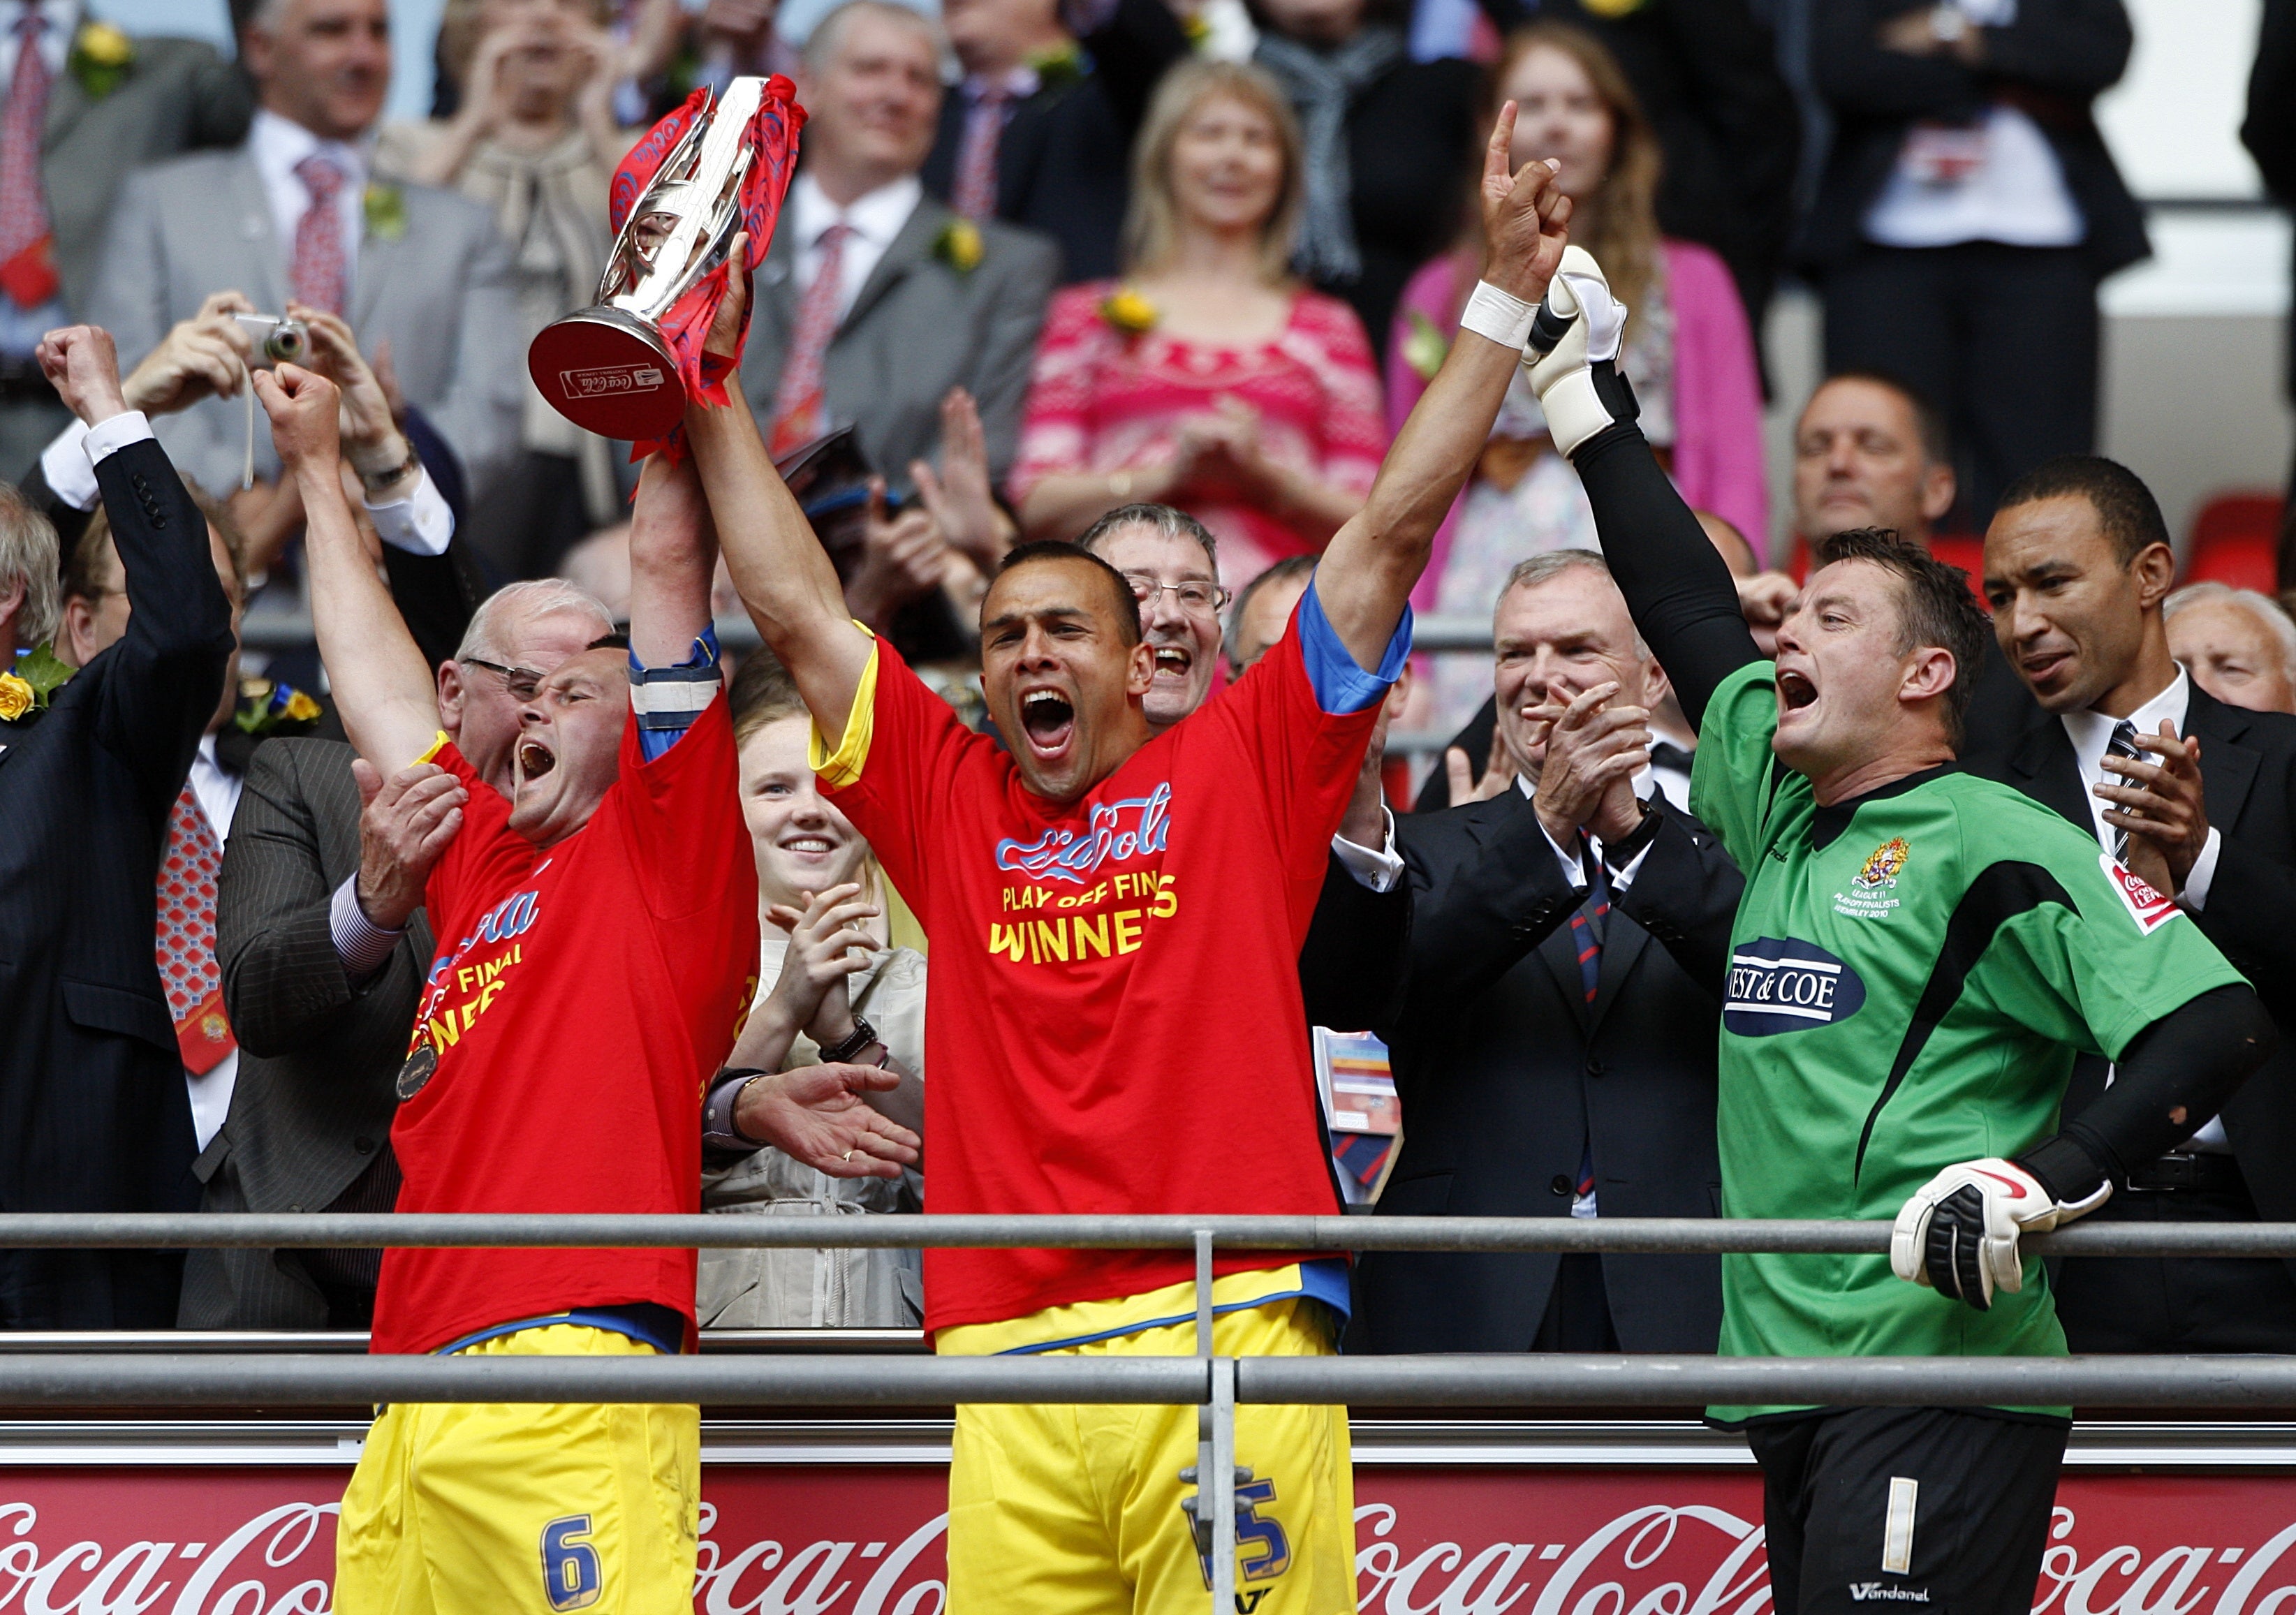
101,56
266,709
1425,348
1128,312
15,697
959,245
386,212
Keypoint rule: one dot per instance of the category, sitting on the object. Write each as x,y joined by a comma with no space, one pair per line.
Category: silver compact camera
277,340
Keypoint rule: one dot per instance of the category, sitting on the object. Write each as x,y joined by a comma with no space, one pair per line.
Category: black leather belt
2188,1173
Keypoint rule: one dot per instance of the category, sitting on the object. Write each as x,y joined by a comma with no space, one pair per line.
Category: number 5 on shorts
570,1564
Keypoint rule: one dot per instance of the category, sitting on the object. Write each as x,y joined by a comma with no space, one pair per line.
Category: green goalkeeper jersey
1911,975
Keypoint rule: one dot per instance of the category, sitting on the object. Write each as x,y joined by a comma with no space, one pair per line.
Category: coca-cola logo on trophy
789,1539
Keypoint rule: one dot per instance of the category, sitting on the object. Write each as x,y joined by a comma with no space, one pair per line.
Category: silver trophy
608,368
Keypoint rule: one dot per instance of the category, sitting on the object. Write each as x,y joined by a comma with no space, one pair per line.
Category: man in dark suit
1039,130
1968,211
1550,1061
94,1114
874,299
2196,798
99,105
323,952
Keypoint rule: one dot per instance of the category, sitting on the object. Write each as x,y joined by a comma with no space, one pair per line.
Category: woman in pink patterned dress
1208,379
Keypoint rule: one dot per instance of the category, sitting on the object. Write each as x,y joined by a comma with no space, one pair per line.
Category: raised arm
1678,588
673,552
1375,559
381,682
779,567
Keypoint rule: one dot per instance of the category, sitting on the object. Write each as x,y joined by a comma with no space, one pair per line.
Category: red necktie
27,269
186,948
320,265
976,163
800,411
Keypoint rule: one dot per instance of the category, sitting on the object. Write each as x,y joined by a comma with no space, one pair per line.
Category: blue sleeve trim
1341,687
667,700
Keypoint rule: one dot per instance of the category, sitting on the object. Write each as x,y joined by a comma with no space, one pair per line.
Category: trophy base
609,373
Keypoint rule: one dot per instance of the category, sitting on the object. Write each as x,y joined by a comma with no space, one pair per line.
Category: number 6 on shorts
570,1564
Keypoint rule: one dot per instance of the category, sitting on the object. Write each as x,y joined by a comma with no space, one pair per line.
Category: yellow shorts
504,1509
1075,1510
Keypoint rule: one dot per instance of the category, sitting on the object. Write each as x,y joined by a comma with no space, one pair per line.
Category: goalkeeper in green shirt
1918,956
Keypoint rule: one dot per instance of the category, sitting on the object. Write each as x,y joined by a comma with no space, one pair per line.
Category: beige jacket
823,1289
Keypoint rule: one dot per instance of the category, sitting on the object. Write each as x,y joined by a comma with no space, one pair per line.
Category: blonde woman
1208,378
534,138
830,979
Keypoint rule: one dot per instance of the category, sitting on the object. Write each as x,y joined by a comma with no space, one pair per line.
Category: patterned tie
800,411
321,265
1588,924
186,942
27,269
976,163
2123,743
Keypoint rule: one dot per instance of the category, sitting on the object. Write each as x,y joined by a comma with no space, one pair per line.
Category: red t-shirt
1113,1020
582,996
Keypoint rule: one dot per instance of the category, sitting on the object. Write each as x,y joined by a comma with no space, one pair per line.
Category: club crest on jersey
1881,868
1115,830
1781,985
2147,906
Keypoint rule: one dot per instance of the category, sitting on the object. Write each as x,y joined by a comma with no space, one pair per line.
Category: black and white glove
1958,1233
1573,353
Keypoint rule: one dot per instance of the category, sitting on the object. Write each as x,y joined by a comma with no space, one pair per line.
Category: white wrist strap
1500,315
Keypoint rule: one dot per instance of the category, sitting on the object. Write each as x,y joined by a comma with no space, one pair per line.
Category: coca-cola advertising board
795,1539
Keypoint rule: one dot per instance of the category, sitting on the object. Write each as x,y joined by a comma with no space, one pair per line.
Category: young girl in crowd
1688,351
1208,378
828,964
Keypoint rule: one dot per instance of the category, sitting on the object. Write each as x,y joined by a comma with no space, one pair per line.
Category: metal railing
1215,1385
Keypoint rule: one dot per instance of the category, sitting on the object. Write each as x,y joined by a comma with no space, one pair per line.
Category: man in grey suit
94,103
323,951
291,213
919,301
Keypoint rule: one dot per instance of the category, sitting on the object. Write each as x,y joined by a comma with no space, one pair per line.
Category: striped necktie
1588,924
2122,743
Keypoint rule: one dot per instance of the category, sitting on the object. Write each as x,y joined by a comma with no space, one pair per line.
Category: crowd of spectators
1162,277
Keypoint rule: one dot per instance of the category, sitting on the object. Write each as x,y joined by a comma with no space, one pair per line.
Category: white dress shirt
277,144
63,18
2089,732
1647,786
874,220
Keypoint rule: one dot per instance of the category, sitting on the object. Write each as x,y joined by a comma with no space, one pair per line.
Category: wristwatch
860,1037
1628,847
374,482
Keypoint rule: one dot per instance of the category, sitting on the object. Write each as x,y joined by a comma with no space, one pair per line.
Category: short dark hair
1125,604
1935,608
2125,507
1928,420
1291,566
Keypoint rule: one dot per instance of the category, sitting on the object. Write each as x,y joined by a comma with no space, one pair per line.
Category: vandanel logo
609,379
1864,1591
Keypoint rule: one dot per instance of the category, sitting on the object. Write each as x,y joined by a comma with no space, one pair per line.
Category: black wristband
860,1037
1617,855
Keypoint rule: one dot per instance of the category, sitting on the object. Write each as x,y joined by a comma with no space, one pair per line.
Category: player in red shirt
1098,900
598,940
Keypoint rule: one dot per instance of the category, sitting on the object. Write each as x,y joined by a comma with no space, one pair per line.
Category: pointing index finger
1496,166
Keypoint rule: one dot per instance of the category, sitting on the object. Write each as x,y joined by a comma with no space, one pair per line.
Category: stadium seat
2236,541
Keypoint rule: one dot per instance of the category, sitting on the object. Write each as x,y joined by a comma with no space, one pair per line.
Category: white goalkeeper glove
1958,1233
1573,353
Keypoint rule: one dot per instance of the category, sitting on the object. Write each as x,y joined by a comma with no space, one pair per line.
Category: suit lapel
67,103
908,249
376,256
1560,954
2228,768
2044,767
260,238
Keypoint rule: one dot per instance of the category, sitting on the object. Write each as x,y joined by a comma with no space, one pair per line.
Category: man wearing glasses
1172,562
323,948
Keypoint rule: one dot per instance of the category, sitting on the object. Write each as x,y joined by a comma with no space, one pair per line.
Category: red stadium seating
2236,541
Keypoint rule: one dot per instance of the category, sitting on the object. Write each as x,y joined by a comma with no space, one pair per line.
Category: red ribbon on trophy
629,366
